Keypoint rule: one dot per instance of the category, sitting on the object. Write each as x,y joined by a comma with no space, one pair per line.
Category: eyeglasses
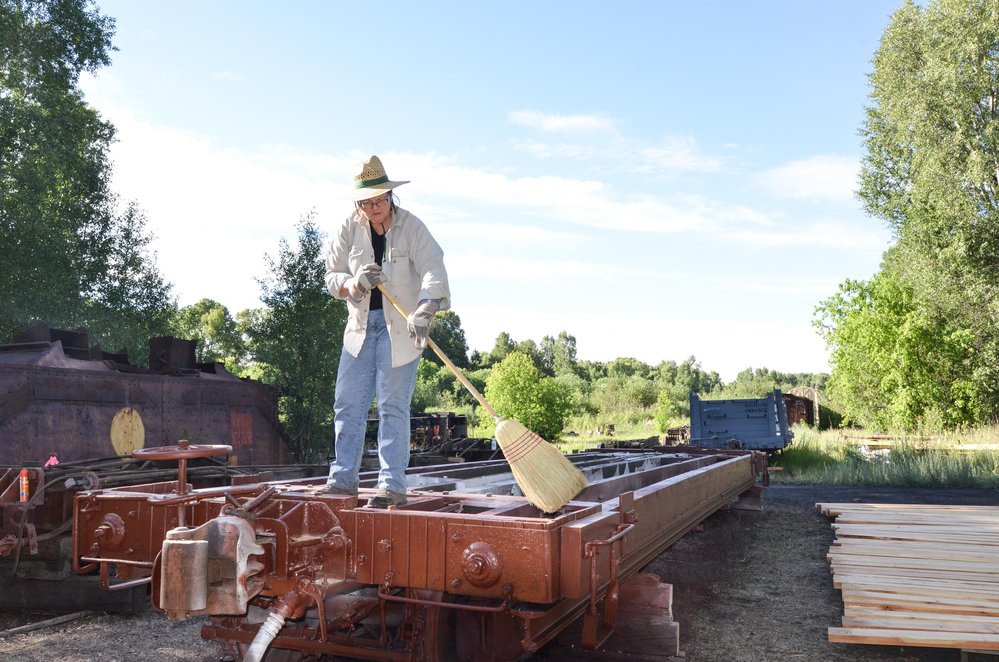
373,204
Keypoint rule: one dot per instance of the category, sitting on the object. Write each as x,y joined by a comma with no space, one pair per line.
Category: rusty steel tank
61,397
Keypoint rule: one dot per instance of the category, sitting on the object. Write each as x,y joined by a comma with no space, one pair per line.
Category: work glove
419,320
365,280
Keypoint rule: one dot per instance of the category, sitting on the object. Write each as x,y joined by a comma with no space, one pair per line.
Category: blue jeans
358,379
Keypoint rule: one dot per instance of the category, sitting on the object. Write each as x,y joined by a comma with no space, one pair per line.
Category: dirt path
749,587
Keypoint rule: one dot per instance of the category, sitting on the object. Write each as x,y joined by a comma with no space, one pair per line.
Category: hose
265,635
287,606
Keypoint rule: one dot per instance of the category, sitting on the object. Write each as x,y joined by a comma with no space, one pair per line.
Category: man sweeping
380,243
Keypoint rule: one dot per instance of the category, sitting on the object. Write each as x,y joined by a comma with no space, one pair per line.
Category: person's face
377,209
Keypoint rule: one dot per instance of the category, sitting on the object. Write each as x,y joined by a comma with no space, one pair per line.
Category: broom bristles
546,477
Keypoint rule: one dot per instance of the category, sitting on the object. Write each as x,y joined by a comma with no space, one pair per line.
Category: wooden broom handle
443,357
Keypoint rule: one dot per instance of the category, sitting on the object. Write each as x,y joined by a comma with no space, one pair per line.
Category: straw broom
545,476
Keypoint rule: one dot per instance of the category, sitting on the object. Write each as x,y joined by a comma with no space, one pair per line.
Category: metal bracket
597,626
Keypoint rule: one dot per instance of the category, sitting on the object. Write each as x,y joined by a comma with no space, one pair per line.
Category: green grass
583,438
955,460
583,432
833,457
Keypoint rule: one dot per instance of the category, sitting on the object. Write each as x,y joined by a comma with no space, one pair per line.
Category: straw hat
372,180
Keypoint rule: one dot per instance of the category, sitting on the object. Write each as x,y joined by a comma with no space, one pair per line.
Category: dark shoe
337,491
385,498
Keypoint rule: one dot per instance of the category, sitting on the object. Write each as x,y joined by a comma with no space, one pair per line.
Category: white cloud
554,122
817,177
493,234
676,153
673,154
594,204
515,269
825,234
541,150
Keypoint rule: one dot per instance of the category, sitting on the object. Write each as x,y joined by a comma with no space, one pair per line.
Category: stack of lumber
916,575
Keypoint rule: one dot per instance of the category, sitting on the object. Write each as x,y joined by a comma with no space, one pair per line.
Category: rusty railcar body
802,406
60,397
71,415
466,570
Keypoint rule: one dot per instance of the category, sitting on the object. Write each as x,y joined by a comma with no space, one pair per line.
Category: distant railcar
803,406
800,410
750,423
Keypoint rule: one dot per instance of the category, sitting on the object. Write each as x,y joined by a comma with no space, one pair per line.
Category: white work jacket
413,263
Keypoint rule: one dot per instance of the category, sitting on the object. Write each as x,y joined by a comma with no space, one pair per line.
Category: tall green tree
68,256
433,385
446,331
591,371
931,172
501,348
296,340
215,329
558,355
517,389
506,345
760,382
531,349
675,383
895,368
614,396
627,366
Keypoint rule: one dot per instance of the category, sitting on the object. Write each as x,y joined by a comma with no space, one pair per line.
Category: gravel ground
749,587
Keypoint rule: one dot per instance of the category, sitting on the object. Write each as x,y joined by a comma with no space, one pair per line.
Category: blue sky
659,179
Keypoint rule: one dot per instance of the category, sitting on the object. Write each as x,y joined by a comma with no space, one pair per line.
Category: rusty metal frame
485,553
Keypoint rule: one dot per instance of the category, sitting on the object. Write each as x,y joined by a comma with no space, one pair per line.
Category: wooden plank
838,508
943,551
916,581
874,612
987,523
916,606
929,623
983,567
952,545
915,575
943,575
899,532
941,511
981,527
928,536
938,604
889,637
984,593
